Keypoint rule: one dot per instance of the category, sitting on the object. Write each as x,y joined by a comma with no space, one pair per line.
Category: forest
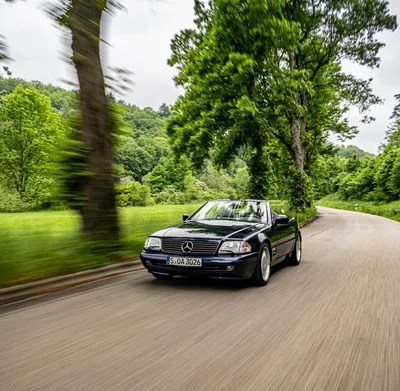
35,123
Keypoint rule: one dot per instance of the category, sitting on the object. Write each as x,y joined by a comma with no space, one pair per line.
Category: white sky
140,40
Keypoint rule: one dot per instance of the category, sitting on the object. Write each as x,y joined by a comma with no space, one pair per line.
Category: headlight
235,247
153,244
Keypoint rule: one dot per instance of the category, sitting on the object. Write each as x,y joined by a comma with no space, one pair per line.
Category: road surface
333,323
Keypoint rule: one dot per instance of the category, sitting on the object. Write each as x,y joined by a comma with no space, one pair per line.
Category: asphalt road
333,323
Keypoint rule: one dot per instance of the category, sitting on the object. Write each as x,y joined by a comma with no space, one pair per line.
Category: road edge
21,292
309,221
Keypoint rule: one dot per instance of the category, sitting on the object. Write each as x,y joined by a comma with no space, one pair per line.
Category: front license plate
187,262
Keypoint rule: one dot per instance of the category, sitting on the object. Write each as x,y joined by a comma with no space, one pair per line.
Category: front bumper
212,266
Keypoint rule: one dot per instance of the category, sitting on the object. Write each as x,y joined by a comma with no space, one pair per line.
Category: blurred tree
3,49
99,210
4,55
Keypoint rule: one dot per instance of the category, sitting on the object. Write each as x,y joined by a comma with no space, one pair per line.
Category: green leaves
29,129
168,173
256,70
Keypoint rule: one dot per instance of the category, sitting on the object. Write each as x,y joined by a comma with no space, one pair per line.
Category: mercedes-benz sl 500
226,239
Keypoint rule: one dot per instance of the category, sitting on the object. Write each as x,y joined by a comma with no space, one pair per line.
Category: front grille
200,247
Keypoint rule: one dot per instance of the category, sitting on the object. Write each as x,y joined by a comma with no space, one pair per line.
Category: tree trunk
99,211
297,145
300,190
262,180
298,124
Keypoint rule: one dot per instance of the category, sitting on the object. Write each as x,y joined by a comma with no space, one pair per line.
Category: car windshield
250,211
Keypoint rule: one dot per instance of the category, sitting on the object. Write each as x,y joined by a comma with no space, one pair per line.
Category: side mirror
185,217
282,220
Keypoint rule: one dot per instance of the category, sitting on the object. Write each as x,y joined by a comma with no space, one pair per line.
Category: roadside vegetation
389,210
36,245
364,182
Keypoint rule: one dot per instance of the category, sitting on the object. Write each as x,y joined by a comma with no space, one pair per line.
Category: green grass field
391,210
45,244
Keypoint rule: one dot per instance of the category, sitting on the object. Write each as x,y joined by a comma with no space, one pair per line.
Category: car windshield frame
232,210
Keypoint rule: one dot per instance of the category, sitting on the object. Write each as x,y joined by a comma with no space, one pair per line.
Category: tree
353,164
258,69
62,100
135,160
385,175
29,127
3,49
168,173
224,66
394,180
350,150
396,111
330,32
164,111
215,179
392,136
83,19
241,181
3,45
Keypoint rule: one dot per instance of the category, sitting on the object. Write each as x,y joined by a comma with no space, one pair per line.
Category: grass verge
390,210
38,245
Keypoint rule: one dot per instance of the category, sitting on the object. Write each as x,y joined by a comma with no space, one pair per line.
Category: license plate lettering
187,262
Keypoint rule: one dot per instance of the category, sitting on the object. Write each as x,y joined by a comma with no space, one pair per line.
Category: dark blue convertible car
225,239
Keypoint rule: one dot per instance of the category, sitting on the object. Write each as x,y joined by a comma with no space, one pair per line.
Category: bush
133,194
11,202
394,181
211,194
172,196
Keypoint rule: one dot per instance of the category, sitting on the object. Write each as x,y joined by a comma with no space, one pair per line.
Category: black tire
295,257
164,277
258,278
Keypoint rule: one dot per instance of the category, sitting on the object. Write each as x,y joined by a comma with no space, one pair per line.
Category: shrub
172,196
133,194
211,194
11,202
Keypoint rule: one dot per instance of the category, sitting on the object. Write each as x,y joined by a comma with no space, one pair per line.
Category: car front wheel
263,268
295,257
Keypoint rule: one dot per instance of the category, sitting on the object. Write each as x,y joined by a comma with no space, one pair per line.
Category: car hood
210,229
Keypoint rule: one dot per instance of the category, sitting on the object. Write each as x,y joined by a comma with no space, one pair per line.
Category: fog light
148,263
230,268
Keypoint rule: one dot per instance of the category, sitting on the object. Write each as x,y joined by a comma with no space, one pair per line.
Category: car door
278,236
288,236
